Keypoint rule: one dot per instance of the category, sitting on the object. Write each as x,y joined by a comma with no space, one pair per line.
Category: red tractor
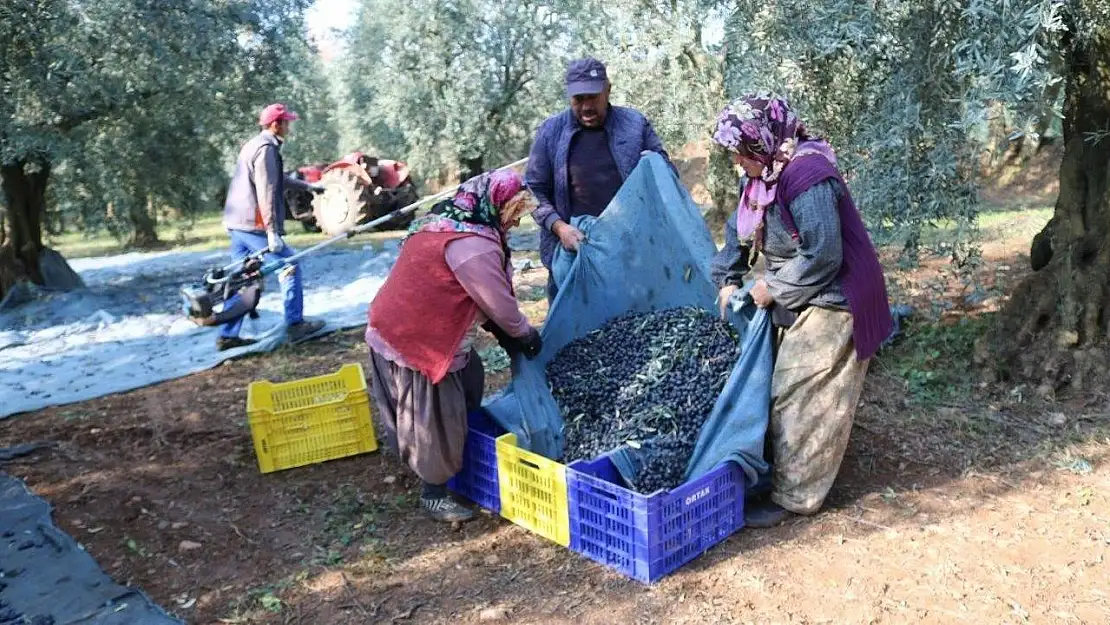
357,189
299,201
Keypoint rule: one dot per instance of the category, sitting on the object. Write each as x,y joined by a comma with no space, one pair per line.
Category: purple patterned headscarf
765,128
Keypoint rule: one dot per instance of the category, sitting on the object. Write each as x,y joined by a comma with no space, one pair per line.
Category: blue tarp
46,577
650,250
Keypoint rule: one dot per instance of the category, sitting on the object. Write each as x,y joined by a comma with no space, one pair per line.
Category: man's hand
760,295
724,295
274,239
568,235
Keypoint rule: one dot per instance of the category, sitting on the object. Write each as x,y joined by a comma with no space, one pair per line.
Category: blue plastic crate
648,537
478,479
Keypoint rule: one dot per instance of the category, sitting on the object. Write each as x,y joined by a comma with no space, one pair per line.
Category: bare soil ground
957,502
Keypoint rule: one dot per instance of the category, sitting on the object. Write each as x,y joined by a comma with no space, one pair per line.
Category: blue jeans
243,244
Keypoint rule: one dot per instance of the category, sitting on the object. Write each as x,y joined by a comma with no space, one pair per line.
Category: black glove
507,343
528,346
531,344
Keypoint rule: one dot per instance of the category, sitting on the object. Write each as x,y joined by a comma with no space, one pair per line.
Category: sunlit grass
994,224
205,232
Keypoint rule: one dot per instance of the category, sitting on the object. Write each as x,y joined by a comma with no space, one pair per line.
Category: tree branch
71,122
652,7
509,95
688,53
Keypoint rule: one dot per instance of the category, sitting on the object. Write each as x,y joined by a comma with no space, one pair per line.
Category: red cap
275,113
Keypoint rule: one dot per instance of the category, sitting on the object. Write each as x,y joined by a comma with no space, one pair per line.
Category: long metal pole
276,265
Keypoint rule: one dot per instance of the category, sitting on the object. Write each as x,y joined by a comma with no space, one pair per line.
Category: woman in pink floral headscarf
453,275
823,286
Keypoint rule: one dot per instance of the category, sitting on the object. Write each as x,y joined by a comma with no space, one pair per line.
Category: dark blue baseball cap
586,77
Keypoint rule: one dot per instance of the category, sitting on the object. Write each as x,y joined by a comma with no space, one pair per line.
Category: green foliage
660,63
903,89
438,83
140,105
443,82
306,88
934,360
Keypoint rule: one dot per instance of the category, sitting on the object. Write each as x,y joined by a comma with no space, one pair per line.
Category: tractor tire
347,203
344,204
298,205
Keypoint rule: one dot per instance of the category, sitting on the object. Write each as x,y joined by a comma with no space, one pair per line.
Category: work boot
446,510
301,331
765,514
231,342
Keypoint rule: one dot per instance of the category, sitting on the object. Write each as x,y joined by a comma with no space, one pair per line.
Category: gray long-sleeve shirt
799,273
255,198
732,262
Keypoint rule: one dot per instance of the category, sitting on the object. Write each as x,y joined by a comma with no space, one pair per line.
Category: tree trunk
469,167
722,183
23,183
24,187
144,232
1054,329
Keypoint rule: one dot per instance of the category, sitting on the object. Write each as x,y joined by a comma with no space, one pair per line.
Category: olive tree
129,104
904,89
661,63
455,84
1057,322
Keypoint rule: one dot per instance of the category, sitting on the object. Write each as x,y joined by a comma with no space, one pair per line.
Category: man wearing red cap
254,215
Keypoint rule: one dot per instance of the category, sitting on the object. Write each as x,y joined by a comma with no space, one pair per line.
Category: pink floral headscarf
488,193
476,206
765,128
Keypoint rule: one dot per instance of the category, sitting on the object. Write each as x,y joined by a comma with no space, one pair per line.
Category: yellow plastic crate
533,491
311,420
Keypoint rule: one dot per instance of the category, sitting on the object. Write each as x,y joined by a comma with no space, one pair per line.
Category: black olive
652,378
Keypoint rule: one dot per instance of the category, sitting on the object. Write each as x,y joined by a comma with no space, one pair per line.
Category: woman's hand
531,344
723,296
568,235
760,295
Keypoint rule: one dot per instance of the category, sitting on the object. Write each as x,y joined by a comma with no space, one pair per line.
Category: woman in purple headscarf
824,288
453,275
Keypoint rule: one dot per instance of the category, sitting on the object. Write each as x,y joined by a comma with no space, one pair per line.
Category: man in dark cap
582,156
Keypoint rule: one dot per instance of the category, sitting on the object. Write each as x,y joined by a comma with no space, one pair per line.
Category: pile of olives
645,380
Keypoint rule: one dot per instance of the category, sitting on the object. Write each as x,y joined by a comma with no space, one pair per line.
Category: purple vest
861,275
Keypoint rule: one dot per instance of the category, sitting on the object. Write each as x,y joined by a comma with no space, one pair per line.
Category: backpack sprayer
234,290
